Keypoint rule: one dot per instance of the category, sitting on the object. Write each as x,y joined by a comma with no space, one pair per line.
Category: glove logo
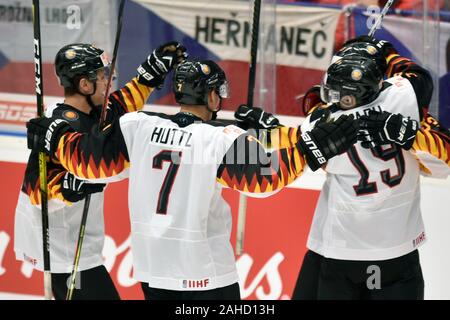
147,76
49,133
313,148
401,134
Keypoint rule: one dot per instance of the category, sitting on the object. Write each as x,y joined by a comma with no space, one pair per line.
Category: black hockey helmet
79,59
364,49
194,79
351,82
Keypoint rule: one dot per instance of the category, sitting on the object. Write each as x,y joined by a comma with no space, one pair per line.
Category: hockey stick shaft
73,275
113,63
87,200
253,53
42,159
377,24
242,212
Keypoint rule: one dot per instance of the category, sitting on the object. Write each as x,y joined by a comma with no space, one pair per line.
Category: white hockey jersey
369,207
65,218
180,224
64,223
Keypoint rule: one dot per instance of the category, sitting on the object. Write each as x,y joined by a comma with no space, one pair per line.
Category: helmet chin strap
214,112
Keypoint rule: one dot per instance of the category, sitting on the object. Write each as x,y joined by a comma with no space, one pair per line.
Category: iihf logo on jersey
421,238
195,283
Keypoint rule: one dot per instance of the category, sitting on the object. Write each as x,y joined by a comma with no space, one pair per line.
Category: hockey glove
255,118
159,63
380,128
73,189
328,139
43,134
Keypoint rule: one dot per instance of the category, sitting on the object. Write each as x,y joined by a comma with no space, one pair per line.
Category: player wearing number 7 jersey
177,166
368,216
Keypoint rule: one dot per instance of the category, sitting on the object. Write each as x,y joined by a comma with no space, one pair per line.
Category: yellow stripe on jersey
135,95
284,137
433,139
286,165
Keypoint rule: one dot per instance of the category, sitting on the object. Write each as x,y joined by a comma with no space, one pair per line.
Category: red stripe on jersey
119,100
135,86
127,92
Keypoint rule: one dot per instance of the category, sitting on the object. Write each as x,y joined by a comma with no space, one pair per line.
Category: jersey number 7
174,158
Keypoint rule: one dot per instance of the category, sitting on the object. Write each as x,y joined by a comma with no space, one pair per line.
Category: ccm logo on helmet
313,148
49,133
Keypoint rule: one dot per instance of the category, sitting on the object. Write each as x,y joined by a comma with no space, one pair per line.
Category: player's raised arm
150,75
92,155
432,147
248,167
430,143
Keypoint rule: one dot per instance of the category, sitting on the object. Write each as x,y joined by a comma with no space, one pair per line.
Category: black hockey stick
101,124
113,63
371,34
242,212
43,187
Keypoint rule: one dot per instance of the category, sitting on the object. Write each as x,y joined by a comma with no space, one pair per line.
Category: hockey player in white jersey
82,71
177,166
368,215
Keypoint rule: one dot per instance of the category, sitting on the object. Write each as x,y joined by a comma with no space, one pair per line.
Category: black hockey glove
385,47
255,118
73,189
43,134
159,63
380,128
328,139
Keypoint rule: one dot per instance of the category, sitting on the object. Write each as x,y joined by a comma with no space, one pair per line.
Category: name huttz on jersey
171,136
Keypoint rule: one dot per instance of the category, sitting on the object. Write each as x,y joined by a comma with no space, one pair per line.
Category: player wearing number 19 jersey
368,213
177,166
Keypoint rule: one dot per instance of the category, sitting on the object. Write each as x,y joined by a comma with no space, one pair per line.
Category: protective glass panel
62,22
421,31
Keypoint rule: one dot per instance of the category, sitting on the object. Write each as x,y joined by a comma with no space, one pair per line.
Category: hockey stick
42,160
242,212
101,124
113,63
372,31
377,24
